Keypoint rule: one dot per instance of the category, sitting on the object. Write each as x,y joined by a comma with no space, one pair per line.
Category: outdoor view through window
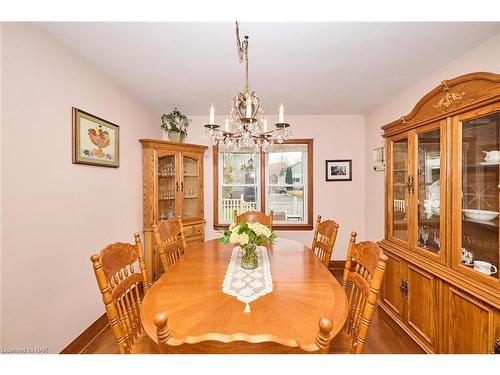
284,184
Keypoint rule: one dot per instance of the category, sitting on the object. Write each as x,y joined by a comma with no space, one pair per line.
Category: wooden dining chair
214,343
325,235
363,274
170,241
255,216
122,290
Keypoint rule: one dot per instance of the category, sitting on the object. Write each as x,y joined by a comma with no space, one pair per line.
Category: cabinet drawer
193,230
188,230
194,240
198,230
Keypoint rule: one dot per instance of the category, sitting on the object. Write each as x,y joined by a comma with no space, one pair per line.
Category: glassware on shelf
170,215
480,200
424,234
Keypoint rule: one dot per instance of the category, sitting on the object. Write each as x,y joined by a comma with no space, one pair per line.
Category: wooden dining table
191,295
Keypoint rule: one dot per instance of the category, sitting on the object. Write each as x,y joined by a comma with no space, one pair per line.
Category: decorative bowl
480,215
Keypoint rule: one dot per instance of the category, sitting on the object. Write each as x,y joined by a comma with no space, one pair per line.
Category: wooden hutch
173,187
442,203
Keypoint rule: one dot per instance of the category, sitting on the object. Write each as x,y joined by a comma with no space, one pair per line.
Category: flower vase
175,136
249,259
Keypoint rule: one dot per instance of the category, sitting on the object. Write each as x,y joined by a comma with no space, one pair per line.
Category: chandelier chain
246,126
242,52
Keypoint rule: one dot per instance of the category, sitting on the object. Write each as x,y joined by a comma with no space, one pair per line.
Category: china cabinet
173,187
442,284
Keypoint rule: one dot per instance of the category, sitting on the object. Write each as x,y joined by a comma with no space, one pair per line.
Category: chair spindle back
170,241
119,285
363,274
325,235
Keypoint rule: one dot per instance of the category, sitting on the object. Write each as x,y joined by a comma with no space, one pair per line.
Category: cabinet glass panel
190,186
480,184
428,190
166,187
399,192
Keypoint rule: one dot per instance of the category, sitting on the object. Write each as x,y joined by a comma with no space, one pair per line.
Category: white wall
1,127
55,214
485,58
335,137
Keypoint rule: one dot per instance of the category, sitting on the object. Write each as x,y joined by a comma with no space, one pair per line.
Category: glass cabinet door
398,228
427,192
167,187
190,187
479,200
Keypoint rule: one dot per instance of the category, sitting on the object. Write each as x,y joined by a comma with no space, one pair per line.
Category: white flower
260,229
243,239
234,238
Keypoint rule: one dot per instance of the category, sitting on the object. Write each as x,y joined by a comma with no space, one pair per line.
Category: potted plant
248,236
175,125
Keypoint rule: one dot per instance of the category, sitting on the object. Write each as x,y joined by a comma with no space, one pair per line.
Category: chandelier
246,126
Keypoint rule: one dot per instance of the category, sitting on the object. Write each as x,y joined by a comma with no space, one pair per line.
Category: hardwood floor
384,337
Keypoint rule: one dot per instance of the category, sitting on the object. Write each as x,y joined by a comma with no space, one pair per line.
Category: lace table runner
248,285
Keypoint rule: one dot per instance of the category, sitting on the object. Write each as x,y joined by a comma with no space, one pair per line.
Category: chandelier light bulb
281,116
211,120
246,126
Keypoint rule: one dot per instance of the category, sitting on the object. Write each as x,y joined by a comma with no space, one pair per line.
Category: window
280,180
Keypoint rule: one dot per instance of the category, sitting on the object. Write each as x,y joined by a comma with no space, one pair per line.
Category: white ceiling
314,68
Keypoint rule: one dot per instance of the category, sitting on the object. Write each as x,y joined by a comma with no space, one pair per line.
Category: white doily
248,285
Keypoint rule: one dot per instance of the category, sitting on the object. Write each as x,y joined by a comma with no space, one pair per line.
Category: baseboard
336,265
78,345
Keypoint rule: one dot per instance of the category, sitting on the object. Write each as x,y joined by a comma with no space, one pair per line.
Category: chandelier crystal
246,126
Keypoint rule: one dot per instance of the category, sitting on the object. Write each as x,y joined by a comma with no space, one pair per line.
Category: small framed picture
95,141
338,170
379,159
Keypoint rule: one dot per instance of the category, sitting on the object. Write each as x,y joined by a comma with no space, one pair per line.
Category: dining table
190,293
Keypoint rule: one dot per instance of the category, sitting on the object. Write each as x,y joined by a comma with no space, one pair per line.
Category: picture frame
338,170
379,159
95,140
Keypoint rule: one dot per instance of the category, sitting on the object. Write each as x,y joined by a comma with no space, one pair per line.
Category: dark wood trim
310,187
336,265
87,337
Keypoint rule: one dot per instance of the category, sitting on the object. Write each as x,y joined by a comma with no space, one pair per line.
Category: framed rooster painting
95,141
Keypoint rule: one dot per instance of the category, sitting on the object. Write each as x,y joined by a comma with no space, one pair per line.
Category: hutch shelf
442,284
173,187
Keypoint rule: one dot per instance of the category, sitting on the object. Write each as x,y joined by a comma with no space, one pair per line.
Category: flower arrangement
248,236
175,124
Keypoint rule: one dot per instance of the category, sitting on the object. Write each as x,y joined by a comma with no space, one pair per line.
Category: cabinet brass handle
497,347
404,288
182,186
176,186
